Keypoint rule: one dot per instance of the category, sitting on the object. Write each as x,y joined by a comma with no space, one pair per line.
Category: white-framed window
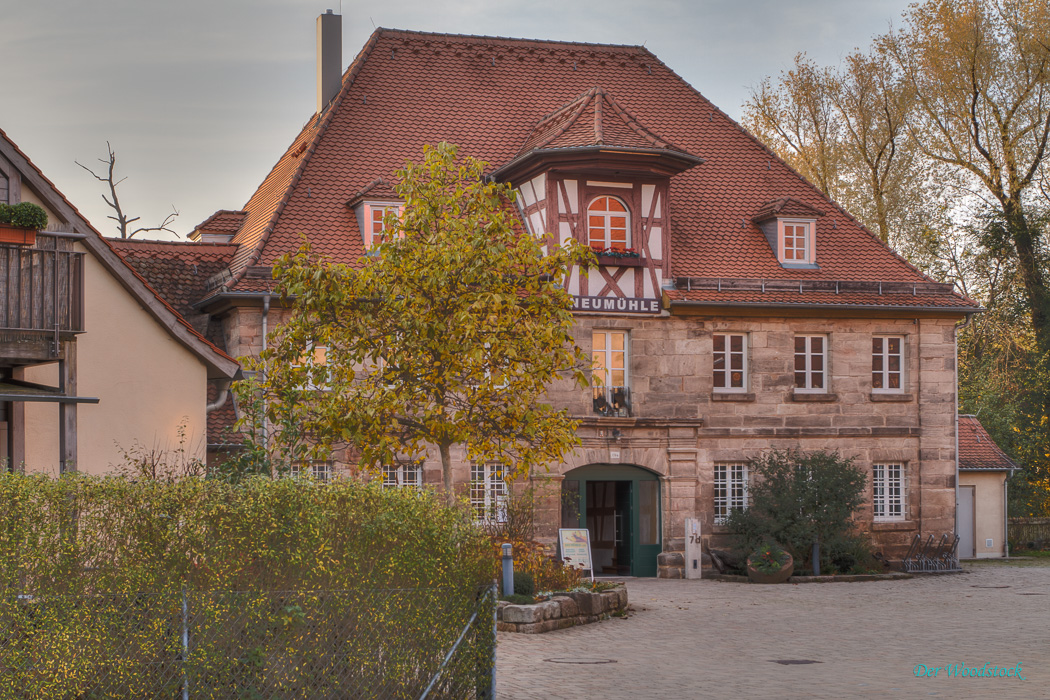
609,362
889,491
811,363
375,224
796,241
488,493
402,475
887,364
608,224
729,362
730,489
318,469
315,361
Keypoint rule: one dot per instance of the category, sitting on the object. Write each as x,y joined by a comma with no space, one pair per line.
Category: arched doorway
620,505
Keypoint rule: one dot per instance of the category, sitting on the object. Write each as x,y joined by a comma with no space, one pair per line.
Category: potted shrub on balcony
770,563
20,223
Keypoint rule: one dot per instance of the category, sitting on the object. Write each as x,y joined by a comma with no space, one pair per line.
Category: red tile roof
222,221
179,271
977,450
488,95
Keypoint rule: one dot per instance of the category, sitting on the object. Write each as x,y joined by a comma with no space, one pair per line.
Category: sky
199,98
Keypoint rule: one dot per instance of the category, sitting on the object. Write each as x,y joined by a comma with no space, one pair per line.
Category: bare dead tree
122,219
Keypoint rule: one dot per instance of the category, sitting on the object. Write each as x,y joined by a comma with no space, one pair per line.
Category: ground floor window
318,469
889,490
730,489
488,492
401,475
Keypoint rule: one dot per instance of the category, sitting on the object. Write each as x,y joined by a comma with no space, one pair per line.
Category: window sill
892,398
614,261
814,397
731,396
892,525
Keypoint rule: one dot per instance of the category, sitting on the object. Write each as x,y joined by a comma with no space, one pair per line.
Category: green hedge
106,535
285,588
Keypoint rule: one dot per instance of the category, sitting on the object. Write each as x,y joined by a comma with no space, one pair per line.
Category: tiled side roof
487,95
223,221
977,450
813,291
179,271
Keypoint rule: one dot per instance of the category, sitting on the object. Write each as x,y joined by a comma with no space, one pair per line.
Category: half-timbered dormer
590,171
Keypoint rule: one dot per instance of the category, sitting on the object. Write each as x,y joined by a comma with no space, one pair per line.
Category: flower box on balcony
621,261
16,235
19,223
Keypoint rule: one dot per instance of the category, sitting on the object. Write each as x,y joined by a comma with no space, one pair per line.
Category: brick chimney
329,58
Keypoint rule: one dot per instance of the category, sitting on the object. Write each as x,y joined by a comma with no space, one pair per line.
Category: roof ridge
494,37
188,244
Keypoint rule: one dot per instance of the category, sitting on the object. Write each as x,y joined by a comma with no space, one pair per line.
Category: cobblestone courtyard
699,639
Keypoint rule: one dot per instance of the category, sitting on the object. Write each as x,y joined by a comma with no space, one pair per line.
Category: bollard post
816,557
508,570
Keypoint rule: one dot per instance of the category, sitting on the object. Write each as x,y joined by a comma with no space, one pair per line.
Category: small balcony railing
42,288
612,401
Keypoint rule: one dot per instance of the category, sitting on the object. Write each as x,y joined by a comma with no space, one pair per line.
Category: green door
620,506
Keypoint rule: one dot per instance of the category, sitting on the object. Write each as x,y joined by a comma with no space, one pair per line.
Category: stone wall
680,427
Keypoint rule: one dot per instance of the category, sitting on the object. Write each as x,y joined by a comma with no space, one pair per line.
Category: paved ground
700,639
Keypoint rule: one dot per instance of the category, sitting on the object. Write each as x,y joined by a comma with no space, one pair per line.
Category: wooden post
16,429
67,412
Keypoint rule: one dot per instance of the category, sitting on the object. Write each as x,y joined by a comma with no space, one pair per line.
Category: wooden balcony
41,289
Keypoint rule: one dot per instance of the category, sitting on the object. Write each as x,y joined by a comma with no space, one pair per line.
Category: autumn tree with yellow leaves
447,334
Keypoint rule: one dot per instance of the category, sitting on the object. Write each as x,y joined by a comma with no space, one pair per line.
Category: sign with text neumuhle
620,305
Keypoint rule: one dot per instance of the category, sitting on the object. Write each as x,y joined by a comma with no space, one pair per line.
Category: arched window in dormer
608,224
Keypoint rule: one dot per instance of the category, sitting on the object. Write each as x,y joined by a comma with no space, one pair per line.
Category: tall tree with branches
980,72
123,220
445,336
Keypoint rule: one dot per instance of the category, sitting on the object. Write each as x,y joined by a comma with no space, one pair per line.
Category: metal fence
401,643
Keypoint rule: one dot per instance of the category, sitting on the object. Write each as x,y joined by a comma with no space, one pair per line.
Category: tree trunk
446,473
1031,275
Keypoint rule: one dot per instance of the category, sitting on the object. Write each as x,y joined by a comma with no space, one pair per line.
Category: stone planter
756,576
17,235
563,610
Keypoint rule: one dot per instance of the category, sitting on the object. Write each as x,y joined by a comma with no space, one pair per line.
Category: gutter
953,310
955,340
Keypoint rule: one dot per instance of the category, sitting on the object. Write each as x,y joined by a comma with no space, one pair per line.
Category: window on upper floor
488,493
374,222
608,224
730,489
811,362
889,491
887,364
729,362
796,242
609,362
315,362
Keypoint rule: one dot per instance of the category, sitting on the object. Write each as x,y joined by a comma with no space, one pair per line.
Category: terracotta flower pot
781,576
17,235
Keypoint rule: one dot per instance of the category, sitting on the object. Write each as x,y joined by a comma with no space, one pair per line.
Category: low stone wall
564,609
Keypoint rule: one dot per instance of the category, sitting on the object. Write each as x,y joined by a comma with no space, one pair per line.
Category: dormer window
796,241
790,227
372,217
608,224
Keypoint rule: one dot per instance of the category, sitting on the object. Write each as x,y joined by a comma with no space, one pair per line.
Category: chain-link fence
375,644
